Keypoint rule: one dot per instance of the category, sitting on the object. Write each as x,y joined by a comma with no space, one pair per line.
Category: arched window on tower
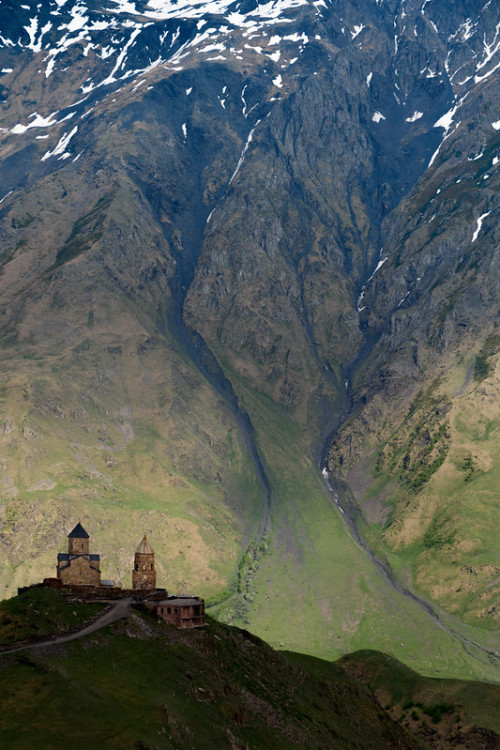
136,566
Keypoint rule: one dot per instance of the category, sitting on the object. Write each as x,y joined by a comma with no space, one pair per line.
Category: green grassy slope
142,684
447,710
313,590
39,613
428,493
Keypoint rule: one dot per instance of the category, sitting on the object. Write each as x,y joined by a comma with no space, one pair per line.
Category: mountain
249,303
139,683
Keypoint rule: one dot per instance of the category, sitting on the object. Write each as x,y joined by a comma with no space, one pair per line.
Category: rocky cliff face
231,235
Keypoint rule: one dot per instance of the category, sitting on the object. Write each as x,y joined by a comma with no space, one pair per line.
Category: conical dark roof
78,532
144,547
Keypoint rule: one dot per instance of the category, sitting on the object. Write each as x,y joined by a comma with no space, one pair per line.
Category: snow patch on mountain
479,225
60,149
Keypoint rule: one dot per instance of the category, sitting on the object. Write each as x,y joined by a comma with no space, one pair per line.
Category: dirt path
119,610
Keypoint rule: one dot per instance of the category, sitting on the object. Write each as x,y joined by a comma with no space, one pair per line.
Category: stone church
77,566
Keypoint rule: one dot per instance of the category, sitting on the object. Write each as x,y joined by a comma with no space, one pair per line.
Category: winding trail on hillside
120,610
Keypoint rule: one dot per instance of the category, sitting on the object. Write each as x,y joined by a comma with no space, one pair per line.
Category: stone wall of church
80,571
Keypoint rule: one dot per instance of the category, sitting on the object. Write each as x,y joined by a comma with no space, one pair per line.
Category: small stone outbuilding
77,566
182,611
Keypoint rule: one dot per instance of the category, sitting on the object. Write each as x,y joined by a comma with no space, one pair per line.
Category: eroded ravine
344,503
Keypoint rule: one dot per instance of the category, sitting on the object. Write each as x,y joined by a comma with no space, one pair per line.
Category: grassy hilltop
143,685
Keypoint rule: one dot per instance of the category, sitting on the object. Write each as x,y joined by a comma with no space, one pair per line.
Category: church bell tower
144,573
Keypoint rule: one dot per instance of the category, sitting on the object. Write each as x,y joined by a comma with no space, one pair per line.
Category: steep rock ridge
431,308
359,163
270,242
247,201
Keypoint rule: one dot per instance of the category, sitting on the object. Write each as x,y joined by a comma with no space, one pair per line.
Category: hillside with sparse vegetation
141,684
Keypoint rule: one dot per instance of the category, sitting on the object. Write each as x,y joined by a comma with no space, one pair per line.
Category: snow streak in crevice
242,156
479,225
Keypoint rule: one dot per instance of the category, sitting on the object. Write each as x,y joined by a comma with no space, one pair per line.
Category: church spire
144,547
